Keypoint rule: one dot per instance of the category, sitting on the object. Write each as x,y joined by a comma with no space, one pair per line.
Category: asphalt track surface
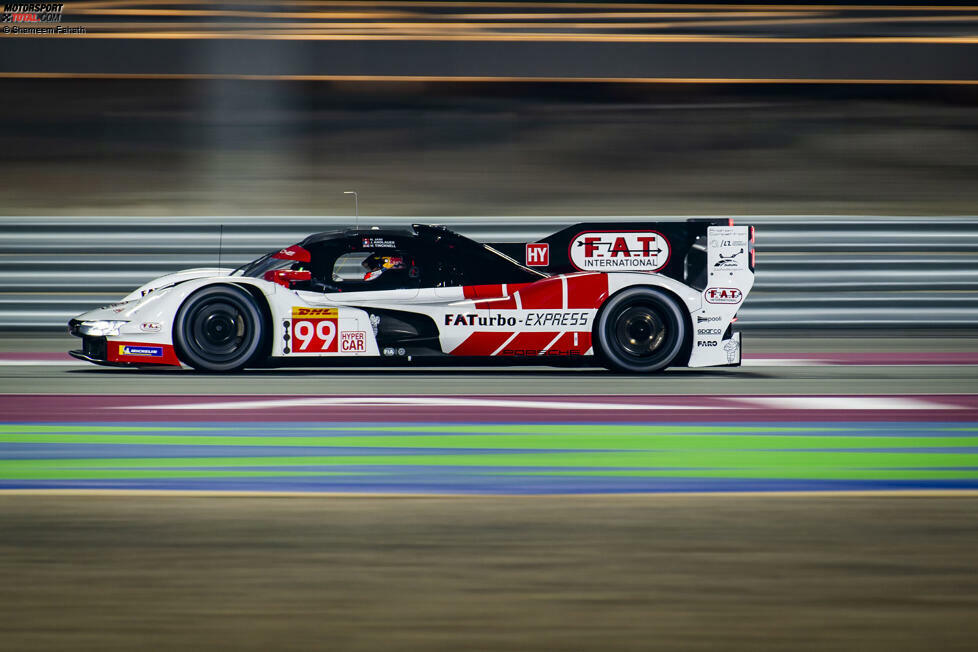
901,417
246,526
488,573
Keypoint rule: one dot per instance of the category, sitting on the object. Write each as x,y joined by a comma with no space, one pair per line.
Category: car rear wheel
219,328
640,330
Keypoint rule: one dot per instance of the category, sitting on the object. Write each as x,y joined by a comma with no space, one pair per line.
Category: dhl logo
299,311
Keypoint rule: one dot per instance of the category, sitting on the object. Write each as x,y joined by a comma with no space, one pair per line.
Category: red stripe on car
568,344
505,303
491,291
543,295
586,290
483,343
482,291
528,343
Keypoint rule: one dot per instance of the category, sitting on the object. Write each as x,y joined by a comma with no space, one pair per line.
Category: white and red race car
633,297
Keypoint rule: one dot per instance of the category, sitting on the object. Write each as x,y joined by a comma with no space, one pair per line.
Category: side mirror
286,277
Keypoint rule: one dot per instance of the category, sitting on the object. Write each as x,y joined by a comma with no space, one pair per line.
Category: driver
381,264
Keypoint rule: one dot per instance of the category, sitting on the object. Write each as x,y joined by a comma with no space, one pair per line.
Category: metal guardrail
812,271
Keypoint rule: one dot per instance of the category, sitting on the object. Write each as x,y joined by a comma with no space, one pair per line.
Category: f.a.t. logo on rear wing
674,249
619,251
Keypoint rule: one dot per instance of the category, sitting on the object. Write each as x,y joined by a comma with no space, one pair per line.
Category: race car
635,297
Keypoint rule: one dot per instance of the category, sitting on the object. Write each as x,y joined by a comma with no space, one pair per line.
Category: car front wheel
218,328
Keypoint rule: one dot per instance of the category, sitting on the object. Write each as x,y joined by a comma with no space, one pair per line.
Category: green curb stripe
692,459
578,428
556,429
820,473
870,452
148,474
595,441
772,474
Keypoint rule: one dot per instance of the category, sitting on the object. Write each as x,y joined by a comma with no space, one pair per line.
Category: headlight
114,305
101,327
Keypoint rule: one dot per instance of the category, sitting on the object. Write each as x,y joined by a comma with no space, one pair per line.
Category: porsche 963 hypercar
635,297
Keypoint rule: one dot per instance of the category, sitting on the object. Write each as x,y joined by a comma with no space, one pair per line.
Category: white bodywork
312,324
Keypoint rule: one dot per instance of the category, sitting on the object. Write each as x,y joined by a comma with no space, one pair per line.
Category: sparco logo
619,251
708,331
723,295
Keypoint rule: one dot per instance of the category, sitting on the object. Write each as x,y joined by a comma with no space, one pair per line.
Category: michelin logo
145,351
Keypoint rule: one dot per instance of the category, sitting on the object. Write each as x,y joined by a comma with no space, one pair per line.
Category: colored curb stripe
486,458
641,409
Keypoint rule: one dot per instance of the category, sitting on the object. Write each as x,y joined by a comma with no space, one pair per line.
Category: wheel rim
218,330
640,331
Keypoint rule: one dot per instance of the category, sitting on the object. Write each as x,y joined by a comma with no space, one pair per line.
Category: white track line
785,362
842,403
417,401
707,403
44,363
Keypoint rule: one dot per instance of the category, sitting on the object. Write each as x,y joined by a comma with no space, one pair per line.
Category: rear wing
684,251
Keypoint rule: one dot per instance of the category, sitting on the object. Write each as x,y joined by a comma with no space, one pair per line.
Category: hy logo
537,254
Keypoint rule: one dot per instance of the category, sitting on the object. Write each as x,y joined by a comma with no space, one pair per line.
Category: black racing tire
219,328
640,330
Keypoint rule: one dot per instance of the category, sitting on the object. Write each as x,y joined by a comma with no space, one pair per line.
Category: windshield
259,266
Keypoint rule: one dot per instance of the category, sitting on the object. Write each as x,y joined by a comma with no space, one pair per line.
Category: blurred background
851,129
492,108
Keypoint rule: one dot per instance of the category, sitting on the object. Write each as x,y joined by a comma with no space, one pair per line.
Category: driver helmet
379,264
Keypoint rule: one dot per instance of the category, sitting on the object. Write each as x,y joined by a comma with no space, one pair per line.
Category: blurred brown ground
486,573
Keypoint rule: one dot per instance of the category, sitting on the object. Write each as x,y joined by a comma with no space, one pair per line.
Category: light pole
356,207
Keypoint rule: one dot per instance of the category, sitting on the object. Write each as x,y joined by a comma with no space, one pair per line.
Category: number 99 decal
314,330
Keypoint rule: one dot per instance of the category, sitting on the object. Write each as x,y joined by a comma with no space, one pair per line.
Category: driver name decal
619,251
